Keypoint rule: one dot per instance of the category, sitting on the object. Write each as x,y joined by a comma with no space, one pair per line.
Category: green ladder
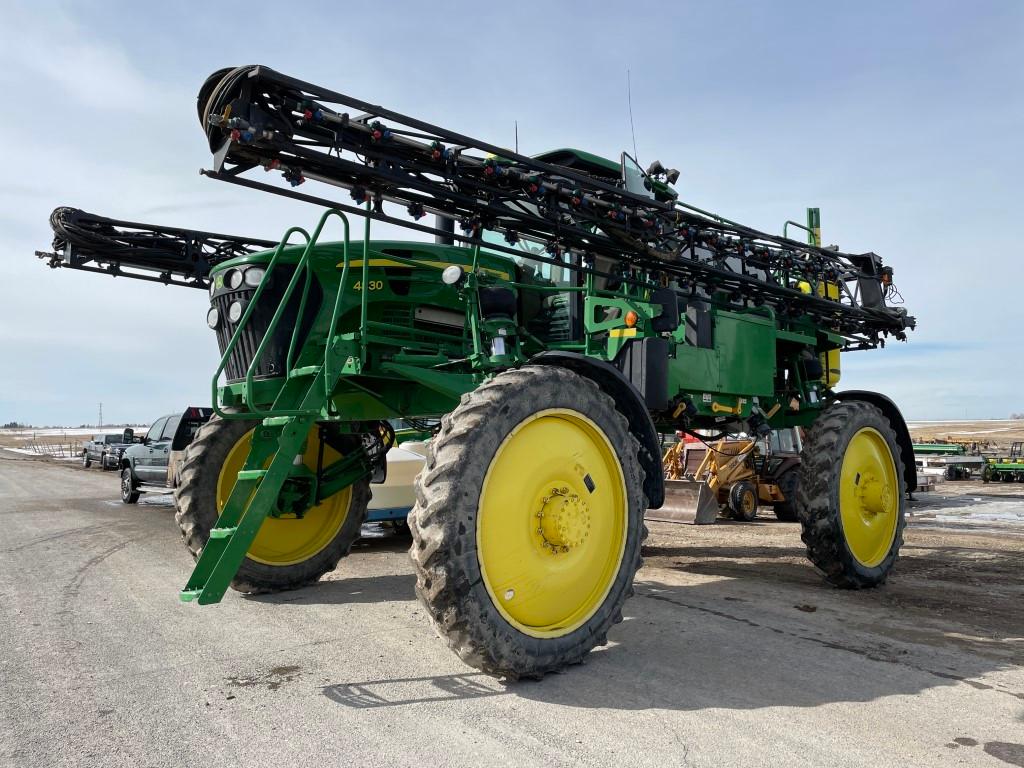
284,426
278,439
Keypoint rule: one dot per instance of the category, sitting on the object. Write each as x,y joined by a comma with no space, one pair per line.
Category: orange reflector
631,319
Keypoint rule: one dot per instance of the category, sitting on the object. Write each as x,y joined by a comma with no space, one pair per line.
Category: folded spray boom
152,252
582,213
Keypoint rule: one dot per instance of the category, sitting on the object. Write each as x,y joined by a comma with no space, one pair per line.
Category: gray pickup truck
152,463
105,450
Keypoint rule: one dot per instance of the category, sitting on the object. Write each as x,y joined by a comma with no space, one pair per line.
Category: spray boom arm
256,117
166,255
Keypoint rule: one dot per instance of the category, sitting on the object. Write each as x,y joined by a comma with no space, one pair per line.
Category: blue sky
901,121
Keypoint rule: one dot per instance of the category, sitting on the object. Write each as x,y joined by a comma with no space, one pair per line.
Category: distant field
999,432
56,442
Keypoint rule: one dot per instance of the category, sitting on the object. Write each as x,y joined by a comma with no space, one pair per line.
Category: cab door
149,452
162,454
94,448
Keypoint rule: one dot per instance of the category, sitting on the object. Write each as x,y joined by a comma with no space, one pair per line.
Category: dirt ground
959,579
733,651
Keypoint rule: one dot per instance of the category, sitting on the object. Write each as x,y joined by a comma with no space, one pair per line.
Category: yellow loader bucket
687,501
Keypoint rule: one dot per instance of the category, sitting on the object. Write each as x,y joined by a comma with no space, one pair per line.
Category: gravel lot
733,652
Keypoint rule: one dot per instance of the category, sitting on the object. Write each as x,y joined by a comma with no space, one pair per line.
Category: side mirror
128,435
668,320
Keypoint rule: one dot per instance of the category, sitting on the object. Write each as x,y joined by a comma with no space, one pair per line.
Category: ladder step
277,421
222,533
306,370
252,474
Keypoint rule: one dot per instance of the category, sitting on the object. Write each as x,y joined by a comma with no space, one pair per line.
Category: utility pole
101,416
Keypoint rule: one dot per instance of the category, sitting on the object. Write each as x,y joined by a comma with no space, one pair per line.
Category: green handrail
785,227
336,311
301,267
233,341
366,289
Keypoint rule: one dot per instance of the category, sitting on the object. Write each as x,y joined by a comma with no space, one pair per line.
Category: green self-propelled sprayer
570,310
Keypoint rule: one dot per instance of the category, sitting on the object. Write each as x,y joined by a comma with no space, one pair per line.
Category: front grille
272,362
396,315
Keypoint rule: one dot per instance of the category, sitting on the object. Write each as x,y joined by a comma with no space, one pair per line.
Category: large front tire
851,495
528,522
286,553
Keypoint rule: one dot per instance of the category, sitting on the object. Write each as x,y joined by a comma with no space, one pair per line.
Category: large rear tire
528,522
287,553
851,496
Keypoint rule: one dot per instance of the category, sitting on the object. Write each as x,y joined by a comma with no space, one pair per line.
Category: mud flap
686,501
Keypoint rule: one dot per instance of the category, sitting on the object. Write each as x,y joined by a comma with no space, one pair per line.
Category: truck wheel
287,553
86,461
743,501
851,498
528,522
786,510
129,488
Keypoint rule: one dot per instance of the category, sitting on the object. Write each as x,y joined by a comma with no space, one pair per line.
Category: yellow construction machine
730,476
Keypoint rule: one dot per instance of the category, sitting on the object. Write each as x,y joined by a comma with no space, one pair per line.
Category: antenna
629,101
517,135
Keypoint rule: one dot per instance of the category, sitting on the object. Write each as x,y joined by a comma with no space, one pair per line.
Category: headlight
213,318
233,279
452,274
254,275
235,311
213,288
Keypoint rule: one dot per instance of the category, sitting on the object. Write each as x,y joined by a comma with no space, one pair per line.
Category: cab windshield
548,312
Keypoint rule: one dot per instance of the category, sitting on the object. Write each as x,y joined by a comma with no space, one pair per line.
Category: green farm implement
569,310
1007,468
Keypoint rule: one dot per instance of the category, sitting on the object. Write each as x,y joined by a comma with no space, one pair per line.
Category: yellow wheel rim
748,501
869,497
552,521
289,540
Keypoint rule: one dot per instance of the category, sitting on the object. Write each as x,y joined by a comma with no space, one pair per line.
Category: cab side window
171,428
157,429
